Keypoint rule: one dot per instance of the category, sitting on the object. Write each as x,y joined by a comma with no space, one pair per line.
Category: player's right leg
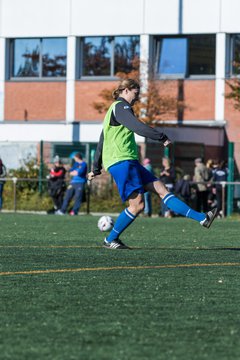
178,206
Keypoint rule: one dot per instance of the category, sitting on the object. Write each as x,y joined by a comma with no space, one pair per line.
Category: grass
174,296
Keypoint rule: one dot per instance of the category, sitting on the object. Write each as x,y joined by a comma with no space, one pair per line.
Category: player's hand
90,176
167,142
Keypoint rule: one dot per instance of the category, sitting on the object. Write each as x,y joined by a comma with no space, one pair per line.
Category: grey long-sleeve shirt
124,115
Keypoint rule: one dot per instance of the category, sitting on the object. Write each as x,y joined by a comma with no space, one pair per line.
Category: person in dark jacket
168,177
76,188
183,189
56,184
3,174
220,174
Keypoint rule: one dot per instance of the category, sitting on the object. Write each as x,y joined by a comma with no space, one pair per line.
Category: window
96,56
169,63
202,50
126,50
185,56
106,56
235,56
39,58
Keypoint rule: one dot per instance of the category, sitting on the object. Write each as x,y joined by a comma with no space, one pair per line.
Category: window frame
40,78
156,58
79,63
230,56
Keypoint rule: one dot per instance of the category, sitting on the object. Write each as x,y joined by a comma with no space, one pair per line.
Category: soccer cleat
114,245
210,216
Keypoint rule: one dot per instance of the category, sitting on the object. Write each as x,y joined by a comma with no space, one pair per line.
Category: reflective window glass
97,56
202,50
126,51
26,58
54,57
186,56
236,55
45,57
173,56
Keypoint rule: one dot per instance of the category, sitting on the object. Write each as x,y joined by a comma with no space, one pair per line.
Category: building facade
57,56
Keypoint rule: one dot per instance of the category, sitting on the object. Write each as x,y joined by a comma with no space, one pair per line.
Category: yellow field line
49,246
170,266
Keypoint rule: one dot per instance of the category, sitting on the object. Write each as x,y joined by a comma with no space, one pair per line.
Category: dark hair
125,84
78,155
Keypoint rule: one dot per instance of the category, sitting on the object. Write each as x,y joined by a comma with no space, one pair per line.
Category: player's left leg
178,206
127,216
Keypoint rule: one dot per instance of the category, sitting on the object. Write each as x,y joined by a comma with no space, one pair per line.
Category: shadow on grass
185,248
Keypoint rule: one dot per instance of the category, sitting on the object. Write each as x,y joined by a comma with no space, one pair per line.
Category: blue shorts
130,176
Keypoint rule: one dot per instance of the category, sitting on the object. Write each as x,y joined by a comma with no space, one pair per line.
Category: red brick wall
88,92
35,101
47,100
232,117
198,97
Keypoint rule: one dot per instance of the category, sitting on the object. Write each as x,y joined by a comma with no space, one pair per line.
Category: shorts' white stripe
188,212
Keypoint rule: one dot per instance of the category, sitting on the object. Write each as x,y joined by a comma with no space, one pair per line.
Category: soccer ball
105,223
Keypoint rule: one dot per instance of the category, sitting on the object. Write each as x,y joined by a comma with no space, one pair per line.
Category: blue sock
179,207
122,222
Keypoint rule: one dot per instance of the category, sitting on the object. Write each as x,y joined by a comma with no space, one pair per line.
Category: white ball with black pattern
105,223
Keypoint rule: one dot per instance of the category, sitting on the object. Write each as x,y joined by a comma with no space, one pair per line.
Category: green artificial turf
175,295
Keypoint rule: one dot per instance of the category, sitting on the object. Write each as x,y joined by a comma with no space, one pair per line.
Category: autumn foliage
152,105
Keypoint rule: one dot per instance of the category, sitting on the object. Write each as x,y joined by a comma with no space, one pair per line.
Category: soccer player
117,151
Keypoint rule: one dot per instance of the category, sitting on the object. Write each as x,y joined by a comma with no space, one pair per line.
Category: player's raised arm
125,116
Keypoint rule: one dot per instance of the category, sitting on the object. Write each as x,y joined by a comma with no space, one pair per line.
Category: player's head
128,89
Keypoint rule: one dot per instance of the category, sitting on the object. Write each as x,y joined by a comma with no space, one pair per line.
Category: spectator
167,177
147,195
220,173
3,174
77,186
56,184
201,175
211,198
183,189
209,166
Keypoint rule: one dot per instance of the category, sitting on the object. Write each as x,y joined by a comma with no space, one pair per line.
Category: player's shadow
224,248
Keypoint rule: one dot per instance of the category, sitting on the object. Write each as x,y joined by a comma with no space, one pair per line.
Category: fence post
230,178
88,195
166,151
40,168
223,184
14,193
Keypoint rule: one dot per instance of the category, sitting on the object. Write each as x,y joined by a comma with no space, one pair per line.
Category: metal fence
12,200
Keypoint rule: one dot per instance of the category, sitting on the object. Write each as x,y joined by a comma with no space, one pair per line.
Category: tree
152,105
235,87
